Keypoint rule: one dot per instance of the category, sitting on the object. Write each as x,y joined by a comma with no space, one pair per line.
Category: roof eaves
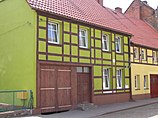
111,29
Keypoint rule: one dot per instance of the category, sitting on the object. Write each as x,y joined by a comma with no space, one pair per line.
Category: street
149,111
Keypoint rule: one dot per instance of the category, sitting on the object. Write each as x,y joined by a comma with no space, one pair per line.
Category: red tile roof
83,10
91,12
144,34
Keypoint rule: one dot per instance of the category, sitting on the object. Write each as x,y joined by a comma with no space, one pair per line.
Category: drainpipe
130,82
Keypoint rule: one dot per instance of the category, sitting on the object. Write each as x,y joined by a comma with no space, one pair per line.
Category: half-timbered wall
68,51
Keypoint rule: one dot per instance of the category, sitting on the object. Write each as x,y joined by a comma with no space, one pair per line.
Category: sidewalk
100,110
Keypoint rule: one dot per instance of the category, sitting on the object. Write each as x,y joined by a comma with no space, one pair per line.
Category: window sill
105,50
83,48
146,88
137,89
56,43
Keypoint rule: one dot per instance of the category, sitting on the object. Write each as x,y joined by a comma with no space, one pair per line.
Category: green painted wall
71,53
17,46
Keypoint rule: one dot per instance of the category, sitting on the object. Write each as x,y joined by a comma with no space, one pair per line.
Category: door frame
74,103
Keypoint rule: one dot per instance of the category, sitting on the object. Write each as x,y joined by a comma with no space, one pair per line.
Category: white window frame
105,40
119,77
51,30
86,38
119,43
145,81
143,52
136,53
154,57
106,76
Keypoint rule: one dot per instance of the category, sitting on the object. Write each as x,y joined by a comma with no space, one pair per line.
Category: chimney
145,2
118,9
100,2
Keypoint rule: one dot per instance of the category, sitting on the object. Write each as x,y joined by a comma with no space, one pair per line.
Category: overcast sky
125,3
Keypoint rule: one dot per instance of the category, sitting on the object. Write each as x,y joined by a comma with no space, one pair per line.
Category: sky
124,4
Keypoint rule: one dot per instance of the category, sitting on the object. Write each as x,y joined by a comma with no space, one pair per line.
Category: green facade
68,51
17,46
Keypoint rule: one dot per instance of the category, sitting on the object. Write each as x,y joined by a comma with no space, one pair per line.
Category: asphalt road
149,111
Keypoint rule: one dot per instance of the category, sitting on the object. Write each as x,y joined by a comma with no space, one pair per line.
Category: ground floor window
106,78
119,78
145,81
137,81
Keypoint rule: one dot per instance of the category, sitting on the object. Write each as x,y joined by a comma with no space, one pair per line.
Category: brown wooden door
154,86
83,88
47,89
64,88
55,88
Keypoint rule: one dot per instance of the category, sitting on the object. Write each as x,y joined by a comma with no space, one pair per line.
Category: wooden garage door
55,88
154,85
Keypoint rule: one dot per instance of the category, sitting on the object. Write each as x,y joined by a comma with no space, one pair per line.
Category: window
105,42
137,82
119,78
136,54
118,44
83,39
145,81
154,57
143,54
106,78
53,33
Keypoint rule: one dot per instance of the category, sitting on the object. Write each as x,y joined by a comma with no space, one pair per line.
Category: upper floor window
118,44
154,57
143,54
106,78
145,81
135,53
53,32
105,42
119,78
83,38
137,82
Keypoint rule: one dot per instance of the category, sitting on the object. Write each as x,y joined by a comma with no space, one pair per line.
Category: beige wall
141,70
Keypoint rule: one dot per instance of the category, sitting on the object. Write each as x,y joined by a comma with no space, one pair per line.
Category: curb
128,108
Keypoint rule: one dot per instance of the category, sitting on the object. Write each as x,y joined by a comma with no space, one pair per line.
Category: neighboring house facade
65,53
142,10
144,52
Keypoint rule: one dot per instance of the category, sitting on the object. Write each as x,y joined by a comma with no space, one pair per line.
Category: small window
154,57
119,78
118,44
53,33
105,42
143,54
137,82
145,81
79,69
83,39
135,53
86,69
106,78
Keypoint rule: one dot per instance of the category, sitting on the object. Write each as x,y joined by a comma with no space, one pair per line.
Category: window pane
86,69
54,27
83,33
79,69
105,45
